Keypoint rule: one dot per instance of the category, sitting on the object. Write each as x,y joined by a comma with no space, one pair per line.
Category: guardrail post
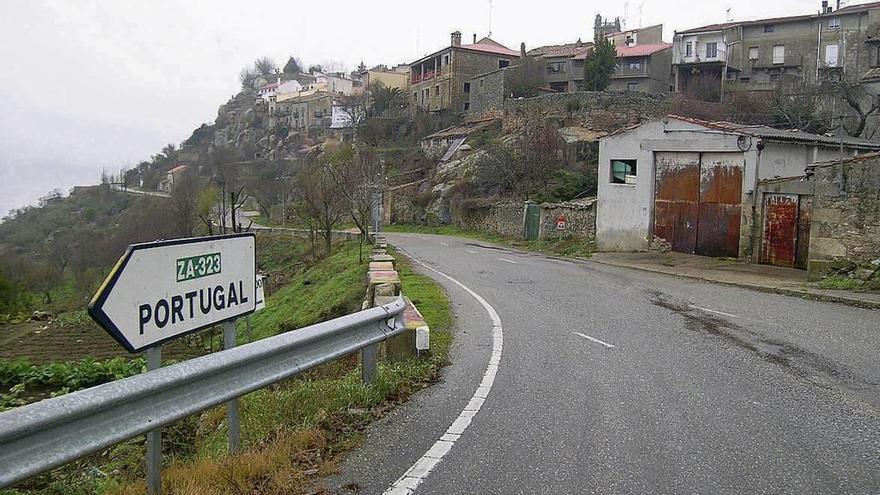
154,438
232,405
369,358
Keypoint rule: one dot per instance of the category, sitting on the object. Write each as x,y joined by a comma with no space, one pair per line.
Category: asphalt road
707,388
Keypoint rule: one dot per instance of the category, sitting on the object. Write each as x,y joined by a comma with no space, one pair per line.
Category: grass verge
297,431
567,247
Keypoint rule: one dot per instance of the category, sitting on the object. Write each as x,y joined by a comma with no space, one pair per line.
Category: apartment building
758,55
441,80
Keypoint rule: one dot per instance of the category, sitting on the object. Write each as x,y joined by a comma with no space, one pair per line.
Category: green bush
564,185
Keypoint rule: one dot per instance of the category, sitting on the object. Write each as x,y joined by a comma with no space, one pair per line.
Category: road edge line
420,470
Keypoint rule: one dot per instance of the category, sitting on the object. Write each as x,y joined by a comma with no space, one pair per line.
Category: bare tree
184,201
358,177
320,205
265,66
356,109
248,77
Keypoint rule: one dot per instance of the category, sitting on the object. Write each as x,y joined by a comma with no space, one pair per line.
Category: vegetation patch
292,432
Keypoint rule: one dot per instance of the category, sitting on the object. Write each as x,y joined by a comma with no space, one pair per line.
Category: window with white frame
831,56
753,53
637,65
688,49
834,23
711,49
779,54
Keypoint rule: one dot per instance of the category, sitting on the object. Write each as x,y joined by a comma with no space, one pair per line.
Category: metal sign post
154,438
231,406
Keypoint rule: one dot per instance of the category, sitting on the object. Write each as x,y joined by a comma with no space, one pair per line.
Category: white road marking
470,251
713,311
606,344
405,235
444,244
407,483
509,261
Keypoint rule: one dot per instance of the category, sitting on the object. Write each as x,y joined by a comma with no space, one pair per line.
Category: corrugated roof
772,133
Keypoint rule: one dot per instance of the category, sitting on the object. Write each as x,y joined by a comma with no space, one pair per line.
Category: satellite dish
744,143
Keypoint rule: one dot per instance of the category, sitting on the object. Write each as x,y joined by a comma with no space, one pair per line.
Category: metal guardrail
46,434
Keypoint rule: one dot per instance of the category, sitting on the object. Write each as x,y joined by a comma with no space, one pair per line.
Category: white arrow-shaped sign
161,290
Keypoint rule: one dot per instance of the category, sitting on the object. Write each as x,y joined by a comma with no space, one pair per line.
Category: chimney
456,38
522,50
824,6
475,38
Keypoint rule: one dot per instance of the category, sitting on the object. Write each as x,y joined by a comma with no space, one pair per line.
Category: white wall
625,213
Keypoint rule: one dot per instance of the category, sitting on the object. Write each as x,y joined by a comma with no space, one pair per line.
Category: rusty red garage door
720,204
676,199
786,230
697,201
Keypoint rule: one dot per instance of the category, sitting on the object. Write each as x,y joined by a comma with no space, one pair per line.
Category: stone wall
487,92
503,217
597,110
580,219
846,225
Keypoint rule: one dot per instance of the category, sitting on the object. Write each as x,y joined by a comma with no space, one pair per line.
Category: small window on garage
623,171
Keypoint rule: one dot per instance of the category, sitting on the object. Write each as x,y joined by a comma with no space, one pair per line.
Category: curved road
619,381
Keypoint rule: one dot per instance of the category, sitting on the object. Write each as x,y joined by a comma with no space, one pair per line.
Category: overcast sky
86,84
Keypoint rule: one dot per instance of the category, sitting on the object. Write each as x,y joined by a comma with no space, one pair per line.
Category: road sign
261,294
560,222
162,290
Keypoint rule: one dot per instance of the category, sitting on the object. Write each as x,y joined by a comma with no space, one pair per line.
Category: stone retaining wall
847,225
599,110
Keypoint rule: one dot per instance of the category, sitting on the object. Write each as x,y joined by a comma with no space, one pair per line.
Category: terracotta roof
566,50
179,168
484,47
641,50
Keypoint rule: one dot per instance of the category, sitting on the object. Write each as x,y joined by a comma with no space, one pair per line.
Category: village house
564,64
689,185
395,77
304,113
167,183
441,80
644,61
759,54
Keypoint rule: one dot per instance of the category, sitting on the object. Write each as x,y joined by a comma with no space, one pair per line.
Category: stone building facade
760,54
442,80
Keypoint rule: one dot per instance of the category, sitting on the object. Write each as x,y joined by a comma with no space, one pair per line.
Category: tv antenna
728,17
490,18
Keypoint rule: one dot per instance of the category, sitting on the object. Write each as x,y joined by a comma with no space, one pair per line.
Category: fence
40,436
